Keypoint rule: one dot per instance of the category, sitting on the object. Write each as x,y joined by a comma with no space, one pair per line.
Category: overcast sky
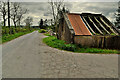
64,0
39,10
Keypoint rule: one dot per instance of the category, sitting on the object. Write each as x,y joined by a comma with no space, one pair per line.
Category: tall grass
9,37
12,32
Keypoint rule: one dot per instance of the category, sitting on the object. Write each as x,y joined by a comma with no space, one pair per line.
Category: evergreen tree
41,24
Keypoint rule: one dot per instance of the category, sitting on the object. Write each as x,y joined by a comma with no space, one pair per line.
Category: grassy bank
42,31
55,43
8,37
46,34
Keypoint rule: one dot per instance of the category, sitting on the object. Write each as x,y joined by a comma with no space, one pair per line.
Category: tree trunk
4,23
19,23
9,17
15,24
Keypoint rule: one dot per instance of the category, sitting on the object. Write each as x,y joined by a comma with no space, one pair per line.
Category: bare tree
17,13
3,10
59,5
53,8
56,6
21,12
28,21
14,12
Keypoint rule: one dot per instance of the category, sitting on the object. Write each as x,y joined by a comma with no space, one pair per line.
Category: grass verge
47,34
6,38
60,44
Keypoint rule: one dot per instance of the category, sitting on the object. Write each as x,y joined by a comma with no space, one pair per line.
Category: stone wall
109,42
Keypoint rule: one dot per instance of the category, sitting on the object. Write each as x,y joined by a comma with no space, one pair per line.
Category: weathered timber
108,26
88,25
101,25
68,23
95,25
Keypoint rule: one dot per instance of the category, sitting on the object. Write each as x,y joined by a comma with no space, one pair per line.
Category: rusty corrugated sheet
78,25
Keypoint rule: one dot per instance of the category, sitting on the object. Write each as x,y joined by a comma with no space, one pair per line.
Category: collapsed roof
91,24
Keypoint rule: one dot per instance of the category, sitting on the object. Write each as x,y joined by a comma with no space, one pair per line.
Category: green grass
60,44
7,37
47,34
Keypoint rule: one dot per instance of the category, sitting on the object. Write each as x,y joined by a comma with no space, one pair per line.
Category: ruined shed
86,29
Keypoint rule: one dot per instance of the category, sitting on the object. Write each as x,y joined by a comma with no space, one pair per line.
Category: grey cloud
43,10
64,0
106,8
46,14
68,5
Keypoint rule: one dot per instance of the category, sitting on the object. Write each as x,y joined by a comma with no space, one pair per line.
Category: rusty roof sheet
78,25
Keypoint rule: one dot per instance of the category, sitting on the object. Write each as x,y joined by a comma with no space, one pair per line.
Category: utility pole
9,15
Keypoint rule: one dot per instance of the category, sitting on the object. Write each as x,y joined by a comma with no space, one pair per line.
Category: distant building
86,29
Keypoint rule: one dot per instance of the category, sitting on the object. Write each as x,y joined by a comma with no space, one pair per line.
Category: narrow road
28,57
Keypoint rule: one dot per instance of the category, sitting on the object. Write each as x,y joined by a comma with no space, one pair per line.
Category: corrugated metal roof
78,25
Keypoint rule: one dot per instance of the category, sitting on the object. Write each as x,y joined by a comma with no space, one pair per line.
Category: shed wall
64,32
109,42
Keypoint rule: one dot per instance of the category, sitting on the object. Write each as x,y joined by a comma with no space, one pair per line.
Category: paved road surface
28,57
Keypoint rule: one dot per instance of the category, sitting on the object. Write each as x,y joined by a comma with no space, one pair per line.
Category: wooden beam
108,25
102,25
95,25
88,26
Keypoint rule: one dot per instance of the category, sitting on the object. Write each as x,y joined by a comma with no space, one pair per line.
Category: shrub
3,31
13,30
7,30
8,37
23,30
71,47
42,31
